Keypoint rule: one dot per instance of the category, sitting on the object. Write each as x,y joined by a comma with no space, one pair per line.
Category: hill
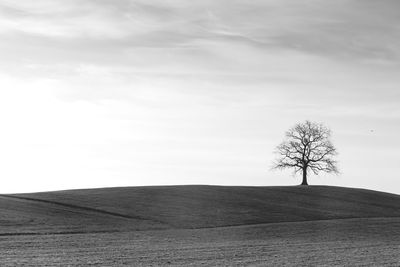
193,206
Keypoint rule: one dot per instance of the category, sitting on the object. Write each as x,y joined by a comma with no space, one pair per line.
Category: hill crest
187,206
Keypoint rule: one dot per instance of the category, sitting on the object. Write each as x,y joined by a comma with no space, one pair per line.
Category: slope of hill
194,206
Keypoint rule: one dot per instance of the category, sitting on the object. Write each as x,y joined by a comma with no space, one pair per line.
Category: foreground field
201,226
348,242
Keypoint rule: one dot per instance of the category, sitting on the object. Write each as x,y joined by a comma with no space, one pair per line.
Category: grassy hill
194,206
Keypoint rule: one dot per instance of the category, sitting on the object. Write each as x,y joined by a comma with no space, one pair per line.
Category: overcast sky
97,93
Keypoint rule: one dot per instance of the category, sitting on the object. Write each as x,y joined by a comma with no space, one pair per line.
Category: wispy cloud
188,83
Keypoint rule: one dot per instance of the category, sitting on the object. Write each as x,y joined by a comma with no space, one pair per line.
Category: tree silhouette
307,146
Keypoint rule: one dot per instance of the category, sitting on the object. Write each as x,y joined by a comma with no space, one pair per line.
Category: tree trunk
304,176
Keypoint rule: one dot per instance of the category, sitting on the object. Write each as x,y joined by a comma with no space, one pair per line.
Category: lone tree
307,147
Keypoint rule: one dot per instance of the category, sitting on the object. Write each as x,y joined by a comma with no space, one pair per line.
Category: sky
101,93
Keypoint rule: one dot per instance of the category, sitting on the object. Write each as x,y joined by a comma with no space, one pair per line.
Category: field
201,226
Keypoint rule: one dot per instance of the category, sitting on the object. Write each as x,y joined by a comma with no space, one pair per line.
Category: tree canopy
307,146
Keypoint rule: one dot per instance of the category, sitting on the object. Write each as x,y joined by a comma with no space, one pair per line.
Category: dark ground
201,226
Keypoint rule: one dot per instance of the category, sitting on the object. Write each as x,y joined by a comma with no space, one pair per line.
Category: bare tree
307,146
